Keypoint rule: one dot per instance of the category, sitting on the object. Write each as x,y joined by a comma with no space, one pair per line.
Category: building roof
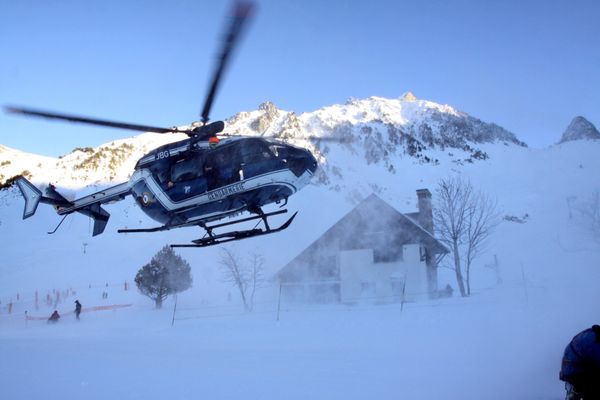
373,223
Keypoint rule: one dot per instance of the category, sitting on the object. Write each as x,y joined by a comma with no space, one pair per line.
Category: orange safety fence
87,309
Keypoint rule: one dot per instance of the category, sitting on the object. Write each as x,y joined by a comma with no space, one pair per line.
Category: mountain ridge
377,129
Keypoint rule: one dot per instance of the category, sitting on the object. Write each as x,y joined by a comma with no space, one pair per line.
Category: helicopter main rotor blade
92,121
326,139
329,139
241,13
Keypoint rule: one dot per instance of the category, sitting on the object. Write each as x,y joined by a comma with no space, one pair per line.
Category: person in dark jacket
54,317
580,369
77,309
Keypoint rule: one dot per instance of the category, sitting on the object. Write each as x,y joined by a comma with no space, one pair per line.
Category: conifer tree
167,273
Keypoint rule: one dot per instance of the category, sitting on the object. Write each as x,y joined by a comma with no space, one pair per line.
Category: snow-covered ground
503,342
499,344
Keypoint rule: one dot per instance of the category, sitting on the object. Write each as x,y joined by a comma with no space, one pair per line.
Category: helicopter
196,181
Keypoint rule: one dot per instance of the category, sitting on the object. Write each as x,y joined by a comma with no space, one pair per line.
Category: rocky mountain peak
268,107
268,114
408,96
579,128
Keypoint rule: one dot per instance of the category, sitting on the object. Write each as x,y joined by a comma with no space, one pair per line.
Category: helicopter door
223,166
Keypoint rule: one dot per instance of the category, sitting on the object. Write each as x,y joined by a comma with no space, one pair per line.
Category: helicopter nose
311,162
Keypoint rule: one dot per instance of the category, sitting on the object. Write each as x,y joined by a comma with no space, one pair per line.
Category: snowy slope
111,162
503,342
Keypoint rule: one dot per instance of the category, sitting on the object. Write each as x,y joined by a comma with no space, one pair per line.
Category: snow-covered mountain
392,147
505,341
378,131
580,129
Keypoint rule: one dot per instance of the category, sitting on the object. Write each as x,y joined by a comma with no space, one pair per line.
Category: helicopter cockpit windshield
279,151
258,157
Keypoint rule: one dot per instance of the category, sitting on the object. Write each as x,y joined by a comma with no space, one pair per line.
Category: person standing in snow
77,309
580,369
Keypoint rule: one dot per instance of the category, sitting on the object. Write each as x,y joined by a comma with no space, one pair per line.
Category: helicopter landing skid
211,239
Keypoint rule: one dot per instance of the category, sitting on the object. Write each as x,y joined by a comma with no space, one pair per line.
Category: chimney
425,211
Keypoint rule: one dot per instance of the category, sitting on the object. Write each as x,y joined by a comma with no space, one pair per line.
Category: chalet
374,253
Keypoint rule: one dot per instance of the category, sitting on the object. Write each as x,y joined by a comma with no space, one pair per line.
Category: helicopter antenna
241,13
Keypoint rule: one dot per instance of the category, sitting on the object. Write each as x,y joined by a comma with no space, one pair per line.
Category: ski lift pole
174,309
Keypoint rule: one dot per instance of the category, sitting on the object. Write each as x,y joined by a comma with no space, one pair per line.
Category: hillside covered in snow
505,341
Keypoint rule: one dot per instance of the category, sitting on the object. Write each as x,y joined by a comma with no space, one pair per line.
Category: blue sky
529,66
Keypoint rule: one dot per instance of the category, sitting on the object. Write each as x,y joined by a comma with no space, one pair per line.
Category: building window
324,293
423,253
328,268
367,289
387,254
293,292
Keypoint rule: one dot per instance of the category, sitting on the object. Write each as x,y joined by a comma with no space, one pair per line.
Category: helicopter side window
186,170
279,151
256,151
223,166
161,172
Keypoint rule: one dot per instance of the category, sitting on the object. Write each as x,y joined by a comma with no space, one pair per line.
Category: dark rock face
579,129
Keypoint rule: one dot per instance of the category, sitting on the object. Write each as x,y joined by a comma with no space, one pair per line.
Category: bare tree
481,221
464,219
246,276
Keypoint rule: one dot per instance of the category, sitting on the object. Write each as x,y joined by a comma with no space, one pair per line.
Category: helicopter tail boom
89,205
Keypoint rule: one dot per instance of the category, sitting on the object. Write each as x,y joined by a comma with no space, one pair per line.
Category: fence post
403,291
279,302
525,285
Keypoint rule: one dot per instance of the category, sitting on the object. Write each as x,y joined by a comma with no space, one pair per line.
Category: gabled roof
372,223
